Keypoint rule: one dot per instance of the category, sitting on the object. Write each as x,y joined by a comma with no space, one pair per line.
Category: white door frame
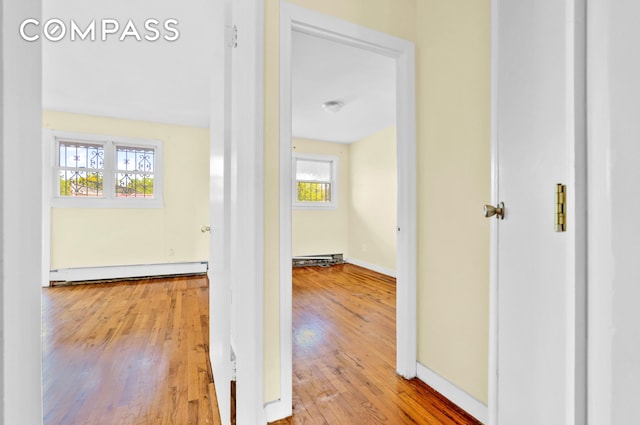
296,18
613,90
20,218
576,309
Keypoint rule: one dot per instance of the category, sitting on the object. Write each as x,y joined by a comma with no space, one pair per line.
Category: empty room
193,243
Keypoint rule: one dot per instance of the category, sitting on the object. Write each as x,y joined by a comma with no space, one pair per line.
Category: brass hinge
561,208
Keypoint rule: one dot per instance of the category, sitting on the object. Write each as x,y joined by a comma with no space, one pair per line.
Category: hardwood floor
344,354
127,353
136,353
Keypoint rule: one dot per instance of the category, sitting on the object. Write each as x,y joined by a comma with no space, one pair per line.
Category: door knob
490,210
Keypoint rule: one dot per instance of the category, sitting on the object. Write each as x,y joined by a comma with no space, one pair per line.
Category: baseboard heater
318,260
107,273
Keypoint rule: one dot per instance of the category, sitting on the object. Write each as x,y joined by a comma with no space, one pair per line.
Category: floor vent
318,260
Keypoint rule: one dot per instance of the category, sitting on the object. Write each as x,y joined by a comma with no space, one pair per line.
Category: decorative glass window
103,171
315,181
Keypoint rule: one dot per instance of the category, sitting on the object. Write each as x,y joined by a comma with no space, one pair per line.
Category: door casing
296,18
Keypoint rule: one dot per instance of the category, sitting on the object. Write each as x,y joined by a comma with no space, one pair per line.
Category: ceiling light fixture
333,106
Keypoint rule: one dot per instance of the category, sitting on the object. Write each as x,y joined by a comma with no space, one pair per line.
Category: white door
537,67
236,192
220,211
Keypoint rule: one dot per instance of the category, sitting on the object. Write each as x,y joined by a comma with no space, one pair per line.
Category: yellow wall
363,227
453,106
373,213
453,103
323,231
106,237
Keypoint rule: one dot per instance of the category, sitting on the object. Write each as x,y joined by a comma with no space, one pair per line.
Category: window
315,181
81,169
103,171
135,169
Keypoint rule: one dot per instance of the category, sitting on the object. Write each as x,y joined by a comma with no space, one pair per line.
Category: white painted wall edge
119,272
459,397
382,270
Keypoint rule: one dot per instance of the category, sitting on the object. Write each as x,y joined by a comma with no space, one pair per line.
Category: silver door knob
490,211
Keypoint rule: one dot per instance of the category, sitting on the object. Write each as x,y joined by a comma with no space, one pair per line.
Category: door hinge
561,208
232,36
234,364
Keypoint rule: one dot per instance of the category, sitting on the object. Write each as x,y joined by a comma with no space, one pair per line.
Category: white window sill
314,206
130,203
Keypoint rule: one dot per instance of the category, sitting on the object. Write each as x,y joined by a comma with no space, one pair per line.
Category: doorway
344,166
295,18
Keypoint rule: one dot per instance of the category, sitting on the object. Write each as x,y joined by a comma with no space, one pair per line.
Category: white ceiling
168,82
155,81
324,70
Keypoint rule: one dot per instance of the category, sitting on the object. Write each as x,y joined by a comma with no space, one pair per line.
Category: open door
538,282
237,219
220,211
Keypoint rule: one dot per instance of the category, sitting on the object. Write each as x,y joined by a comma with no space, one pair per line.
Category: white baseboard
276,410
120,272
459,397
381,270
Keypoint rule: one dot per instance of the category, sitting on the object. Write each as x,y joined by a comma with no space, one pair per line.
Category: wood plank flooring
344,354
136,354
127,353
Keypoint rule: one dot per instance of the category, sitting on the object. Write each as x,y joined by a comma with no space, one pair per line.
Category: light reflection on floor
308,337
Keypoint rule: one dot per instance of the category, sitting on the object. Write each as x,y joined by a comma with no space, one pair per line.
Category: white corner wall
20,217
614,201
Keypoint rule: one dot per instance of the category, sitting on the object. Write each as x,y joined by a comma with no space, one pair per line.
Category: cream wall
323,231
106,237
453,105
374,192
453,102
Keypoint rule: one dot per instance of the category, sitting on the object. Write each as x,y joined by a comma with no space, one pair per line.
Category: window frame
108,198
311,205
